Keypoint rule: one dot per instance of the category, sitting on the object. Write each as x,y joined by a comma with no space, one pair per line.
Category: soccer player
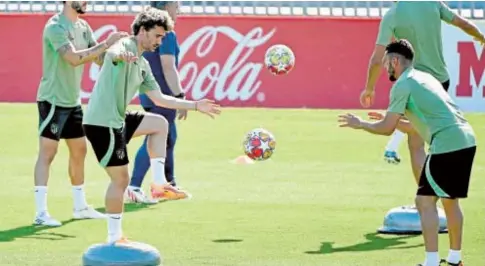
108,126
67,44
420,23
164,63
452,145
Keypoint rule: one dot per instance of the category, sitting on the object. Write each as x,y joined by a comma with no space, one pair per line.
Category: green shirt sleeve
149,82
56,36
385,30
91,39
446,13
399,98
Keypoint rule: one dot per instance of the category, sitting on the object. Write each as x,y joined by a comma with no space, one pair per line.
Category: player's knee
47,154
424,202
161,124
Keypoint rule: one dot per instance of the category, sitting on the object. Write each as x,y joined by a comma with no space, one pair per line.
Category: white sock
40,193
158,171
395,141
432,259
79,197
114,227
454,256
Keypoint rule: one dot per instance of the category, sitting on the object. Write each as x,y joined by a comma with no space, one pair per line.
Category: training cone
243,159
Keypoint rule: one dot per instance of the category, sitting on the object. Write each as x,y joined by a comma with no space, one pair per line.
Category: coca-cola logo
237,78
245,75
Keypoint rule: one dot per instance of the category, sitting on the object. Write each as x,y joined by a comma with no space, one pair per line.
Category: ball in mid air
279,59
259,144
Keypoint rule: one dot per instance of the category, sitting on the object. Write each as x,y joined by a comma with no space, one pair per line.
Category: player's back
420,23
435,115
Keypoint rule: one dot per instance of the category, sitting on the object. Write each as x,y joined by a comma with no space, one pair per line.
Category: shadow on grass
373,242
228,240
47,233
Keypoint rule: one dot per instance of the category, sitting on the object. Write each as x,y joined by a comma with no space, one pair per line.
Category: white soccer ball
259,144
279,59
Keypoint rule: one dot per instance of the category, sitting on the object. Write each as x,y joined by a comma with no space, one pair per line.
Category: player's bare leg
156,128
45,157
417,154
454,217
114,201
391,155
77,156
430,225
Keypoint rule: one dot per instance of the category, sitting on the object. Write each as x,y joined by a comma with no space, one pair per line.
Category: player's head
78,6
399,56
150,26
172,7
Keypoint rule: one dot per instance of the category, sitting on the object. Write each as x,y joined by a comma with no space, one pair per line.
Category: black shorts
57,122
446,85
109,144
447,175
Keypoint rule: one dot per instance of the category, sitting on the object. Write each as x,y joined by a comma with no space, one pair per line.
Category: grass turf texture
318,201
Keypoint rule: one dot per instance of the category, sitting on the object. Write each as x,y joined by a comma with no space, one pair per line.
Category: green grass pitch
318,201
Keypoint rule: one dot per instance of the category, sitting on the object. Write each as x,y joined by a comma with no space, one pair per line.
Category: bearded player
108,126
420,23
452,146
67,44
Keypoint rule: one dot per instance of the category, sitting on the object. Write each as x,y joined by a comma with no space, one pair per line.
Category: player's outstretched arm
468,27
404,125
78,57
457,20
385,127
207,107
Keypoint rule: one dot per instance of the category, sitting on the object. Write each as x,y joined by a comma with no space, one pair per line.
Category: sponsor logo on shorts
120,154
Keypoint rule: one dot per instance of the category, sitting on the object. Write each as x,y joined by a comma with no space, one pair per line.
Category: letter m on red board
469,63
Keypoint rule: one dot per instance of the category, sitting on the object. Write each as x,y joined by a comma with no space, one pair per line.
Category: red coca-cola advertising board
222,58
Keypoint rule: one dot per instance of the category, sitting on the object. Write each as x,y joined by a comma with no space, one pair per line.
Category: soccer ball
259,144
279,59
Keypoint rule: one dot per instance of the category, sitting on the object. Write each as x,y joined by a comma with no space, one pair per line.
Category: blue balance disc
122,254
406,220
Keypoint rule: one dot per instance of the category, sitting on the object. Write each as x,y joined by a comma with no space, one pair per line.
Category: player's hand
376,116
350,120
127,57
367,98
481,40
208,107
183,114
115,36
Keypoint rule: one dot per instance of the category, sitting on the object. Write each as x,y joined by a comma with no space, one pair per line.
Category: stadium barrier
222,58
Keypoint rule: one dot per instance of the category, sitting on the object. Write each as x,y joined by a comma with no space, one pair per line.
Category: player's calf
114,200
47,153
156,127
